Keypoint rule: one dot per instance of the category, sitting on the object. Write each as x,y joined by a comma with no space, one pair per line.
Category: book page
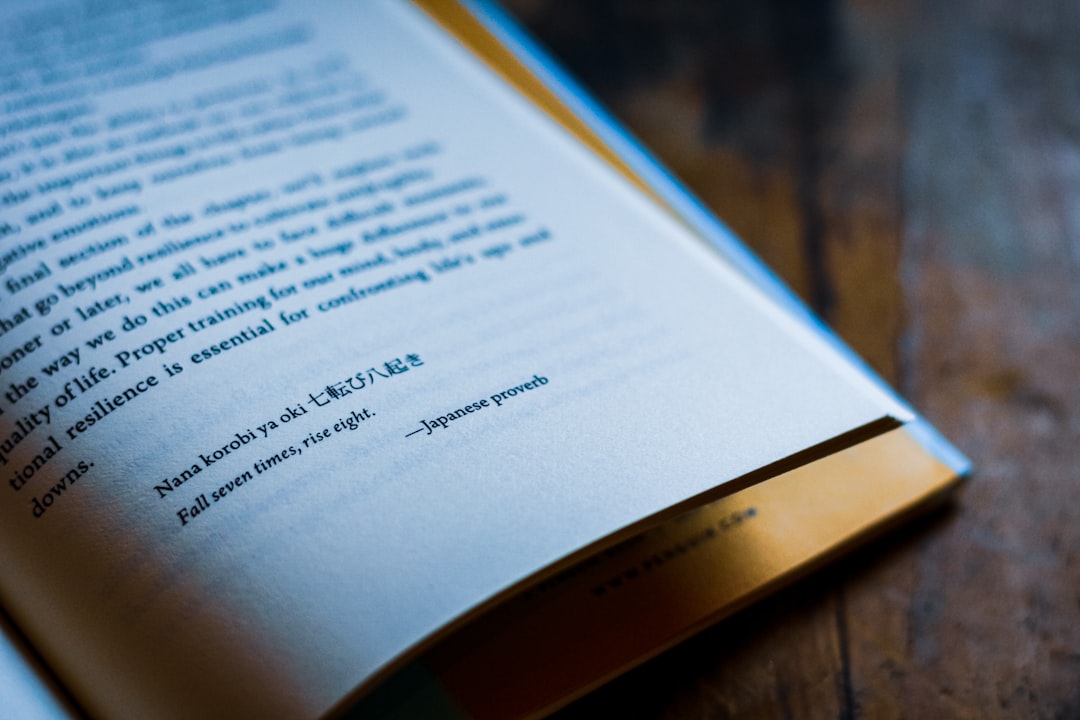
315,336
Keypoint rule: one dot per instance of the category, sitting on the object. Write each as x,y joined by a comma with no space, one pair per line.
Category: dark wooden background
912,169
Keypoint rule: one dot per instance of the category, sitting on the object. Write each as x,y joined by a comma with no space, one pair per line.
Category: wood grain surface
913,171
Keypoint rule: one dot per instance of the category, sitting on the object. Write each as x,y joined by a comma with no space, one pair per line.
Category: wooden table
913,171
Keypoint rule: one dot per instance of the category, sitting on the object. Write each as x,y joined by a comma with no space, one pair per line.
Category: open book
352,363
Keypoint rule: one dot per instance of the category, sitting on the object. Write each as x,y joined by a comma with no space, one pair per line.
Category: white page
226,154
26,690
